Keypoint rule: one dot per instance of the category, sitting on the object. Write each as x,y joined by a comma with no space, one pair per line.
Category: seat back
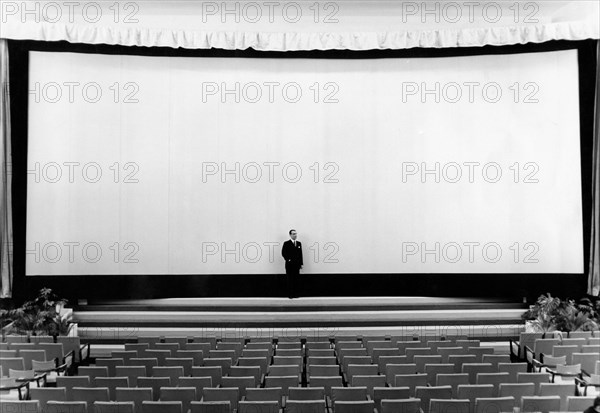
185,395
258,407
230,394
154,383
401,406
494,404
364,406
427,393
450,406
114,407
137,395
66,407
543,404
70,382
162,407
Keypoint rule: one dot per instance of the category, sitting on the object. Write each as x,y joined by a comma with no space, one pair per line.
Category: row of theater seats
573,358
349,374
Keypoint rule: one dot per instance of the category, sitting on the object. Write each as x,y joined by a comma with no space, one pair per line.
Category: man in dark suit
292,254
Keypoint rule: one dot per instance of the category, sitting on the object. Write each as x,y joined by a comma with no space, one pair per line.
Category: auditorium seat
496,359
385,360
587,360
150,340
185,395
110,364
494,379
579,403
473,369
258,407
159,354
214,372
364,406
494,404
147,363
540,346
426,393
260,362
197,356
139,348
70,382
389,393
323,371
212,341
137,395
155,383
181,340
222,406
379,352
453,380
306,393
447,406
90,394
306,406
297,352
513,369
92,371
131,372
315,352
418,351
29,355
542,404
535,378
266,394
285,370
205,348
475,391
171,347
404,406
564,351
392,370
362,360
326,382
432,370
185,363
231,395
368,381
563,390
517,391
231,346
162,407
420,361
114,407
111,383
67,407
411,381
44,394
459,359
242,383
245,371
14,363
125,355
224,363
361,370
285,382
446,352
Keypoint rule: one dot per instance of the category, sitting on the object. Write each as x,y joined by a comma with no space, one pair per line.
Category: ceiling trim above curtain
308,25
291,41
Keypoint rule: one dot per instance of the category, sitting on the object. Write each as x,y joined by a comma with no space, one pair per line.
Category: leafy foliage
38,316
551,313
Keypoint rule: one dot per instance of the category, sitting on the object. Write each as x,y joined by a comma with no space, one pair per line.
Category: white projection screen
201,165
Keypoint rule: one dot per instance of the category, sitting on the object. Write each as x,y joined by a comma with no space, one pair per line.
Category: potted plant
40,316
550,314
